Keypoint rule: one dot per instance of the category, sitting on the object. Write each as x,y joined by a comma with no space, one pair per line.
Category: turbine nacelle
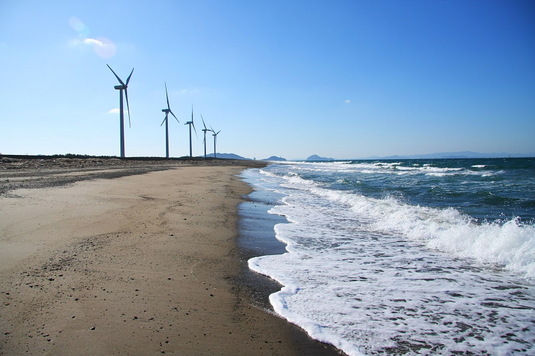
214,133
120,87
205,130
168,110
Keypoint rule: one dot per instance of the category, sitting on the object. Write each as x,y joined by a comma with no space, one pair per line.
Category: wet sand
141,264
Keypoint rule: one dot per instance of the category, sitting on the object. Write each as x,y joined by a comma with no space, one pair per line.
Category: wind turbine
205,130
121,88
191,123
215,139
167,112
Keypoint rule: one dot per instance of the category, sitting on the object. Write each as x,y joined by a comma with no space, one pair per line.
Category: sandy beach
144,263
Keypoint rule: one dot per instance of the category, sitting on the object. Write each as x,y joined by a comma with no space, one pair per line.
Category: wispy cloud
117,111
103,47
347,101
93,41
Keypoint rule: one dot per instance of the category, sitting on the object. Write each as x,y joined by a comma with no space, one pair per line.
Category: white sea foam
398,169
511,244
379,275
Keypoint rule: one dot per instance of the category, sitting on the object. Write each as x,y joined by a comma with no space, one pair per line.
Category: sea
399,257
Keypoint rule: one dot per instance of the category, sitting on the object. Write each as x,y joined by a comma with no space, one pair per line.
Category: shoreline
146,263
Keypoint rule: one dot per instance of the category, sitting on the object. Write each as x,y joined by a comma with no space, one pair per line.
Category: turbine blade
203,122
174,116
167,97
116,76
194,129
164,119
127,107
128,79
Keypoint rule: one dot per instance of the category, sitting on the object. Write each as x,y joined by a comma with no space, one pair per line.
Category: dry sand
138,265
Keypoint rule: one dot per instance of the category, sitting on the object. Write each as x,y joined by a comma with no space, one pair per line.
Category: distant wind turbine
205,130
167,112
191,123
215,140
121,88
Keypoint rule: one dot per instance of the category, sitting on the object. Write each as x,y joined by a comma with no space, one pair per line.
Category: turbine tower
215,139
205,130
191,123
167,112
121,88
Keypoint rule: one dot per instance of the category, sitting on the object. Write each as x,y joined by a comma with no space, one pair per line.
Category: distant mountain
460,154
227,156
275,158
318,158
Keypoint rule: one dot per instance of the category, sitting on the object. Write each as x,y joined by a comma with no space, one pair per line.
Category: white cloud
93,41
347,101
102,46
117,111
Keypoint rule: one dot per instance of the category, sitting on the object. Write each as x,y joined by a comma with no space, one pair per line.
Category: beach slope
141,264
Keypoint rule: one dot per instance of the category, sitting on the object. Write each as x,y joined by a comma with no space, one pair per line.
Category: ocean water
418,257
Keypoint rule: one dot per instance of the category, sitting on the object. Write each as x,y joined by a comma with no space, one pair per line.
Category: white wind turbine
205,130
191,123
121,88
167,112
215,140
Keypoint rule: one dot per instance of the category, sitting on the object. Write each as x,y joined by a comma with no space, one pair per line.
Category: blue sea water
418,257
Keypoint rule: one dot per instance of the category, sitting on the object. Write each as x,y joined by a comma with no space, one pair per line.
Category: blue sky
343,79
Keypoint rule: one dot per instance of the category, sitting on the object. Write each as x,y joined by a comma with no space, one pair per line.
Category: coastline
142,264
